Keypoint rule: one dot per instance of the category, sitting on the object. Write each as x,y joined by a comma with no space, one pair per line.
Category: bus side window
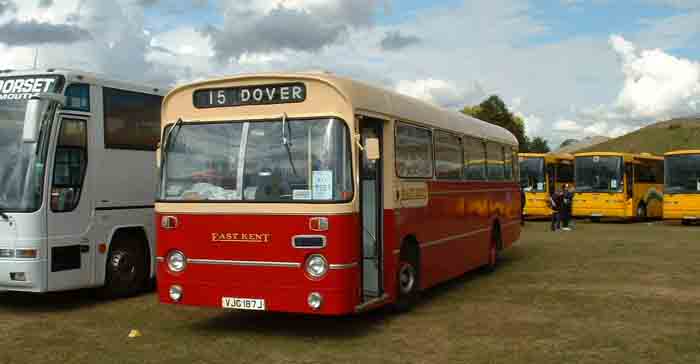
70,164
474,159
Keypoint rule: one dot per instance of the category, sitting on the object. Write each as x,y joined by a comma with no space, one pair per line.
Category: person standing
568,199
556,200
522,206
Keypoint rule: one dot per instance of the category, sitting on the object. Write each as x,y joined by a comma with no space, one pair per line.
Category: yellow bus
682,187
542,174
618,185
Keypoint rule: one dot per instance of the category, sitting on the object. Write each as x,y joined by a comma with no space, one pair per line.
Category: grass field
605,293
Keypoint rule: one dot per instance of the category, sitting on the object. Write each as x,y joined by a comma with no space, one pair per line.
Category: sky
570,68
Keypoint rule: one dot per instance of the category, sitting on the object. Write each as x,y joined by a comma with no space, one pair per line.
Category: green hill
657,139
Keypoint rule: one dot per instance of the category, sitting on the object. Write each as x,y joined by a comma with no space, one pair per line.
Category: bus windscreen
268,161
532,176
683,174
599,174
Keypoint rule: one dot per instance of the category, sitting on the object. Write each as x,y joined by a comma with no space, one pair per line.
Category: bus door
372,211
70,252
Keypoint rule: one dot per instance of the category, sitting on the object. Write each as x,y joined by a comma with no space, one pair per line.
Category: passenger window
131,120
70,163
414,151
474,159
448,156
496,168
78,97
508,163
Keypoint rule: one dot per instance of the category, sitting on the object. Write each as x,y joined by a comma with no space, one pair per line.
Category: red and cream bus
316,194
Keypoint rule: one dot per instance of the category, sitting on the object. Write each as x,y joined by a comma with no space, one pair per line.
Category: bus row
300,192
617,185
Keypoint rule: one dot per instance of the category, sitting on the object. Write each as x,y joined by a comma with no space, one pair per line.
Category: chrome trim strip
396,251
323,237
454,237
343,266
160,259
244,263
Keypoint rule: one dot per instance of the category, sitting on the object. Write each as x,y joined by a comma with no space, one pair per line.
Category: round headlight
316,266
176,261
175,293
315,300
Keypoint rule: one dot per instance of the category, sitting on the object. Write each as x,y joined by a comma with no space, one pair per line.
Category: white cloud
440,92
656,84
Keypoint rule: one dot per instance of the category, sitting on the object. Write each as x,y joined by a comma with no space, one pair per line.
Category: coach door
69,249
371,207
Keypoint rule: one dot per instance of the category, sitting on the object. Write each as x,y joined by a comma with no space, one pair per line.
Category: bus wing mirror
372,149
36,106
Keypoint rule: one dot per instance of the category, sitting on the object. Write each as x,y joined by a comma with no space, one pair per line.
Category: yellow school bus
618,185
682,186
542,174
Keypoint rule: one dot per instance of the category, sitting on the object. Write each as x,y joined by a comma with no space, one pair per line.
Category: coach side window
474,159
132,119
495,165
78,97
414,151
69,165
448,156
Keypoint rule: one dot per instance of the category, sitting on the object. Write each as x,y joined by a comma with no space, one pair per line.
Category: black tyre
685,222
595,219
126,272
408,279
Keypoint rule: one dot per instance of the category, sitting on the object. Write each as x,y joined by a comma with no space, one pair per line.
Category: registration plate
243,303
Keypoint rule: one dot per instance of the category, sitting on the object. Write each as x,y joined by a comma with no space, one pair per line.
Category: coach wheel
685,222
408,279
126,270
642,211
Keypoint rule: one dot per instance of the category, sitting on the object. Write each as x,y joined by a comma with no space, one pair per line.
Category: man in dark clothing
556,201
522,206
568,199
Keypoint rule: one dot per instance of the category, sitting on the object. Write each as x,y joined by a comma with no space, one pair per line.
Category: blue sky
571,68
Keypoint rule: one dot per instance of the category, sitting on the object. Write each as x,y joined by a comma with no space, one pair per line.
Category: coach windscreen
21,163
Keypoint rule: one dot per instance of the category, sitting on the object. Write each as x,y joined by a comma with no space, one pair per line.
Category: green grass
657,139
605,293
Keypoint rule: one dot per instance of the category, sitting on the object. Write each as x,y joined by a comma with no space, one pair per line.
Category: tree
539,145
493,110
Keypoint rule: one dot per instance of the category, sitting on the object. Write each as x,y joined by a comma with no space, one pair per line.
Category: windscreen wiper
287,142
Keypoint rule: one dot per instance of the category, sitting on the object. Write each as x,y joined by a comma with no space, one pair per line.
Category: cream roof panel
365,97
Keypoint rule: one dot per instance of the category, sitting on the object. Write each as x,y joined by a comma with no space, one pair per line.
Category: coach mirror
372,149
36,107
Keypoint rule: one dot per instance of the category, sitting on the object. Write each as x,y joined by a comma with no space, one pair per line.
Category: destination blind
25,87
250,95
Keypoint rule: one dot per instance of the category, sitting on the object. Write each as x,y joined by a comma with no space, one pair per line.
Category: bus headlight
177,262
316,266
175,293
315,300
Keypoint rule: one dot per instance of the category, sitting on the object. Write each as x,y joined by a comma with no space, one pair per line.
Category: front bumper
34,271
339,289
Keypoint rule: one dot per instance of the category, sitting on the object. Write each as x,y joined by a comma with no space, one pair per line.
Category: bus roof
683,152
626,156
91,78
372,99
550,157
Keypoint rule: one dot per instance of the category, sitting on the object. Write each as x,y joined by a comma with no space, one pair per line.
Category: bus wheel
595,219
642,211
685,222
126,270
408,278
